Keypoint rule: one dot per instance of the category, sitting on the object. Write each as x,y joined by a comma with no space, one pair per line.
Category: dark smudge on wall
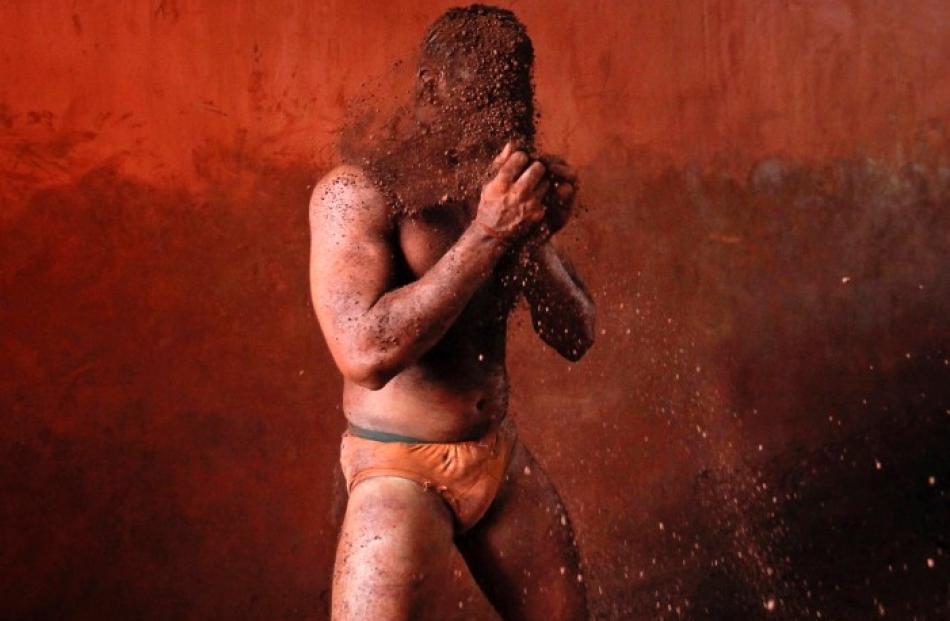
763,423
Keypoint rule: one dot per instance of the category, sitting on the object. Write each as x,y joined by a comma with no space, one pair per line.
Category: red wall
765,190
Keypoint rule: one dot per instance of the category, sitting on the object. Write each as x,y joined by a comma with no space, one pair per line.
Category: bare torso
415,307
459,387
415,311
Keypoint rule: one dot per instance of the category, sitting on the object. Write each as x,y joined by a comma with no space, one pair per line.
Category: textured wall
761,429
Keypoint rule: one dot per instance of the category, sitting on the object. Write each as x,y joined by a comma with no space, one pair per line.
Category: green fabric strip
383,436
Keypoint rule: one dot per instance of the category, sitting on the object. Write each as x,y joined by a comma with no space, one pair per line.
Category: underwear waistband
382,436
385,436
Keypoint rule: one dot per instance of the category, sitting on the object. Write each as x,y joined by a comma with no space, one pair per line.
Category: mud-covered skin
421,244
415,307
397,558
460,385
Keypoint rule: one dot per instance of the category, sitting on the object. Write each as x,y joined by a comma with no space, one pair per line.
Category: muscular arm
562,311
375,329
372,329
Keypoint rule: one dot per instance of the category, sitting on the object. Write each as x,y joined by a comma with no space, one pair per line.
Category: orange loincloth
466,474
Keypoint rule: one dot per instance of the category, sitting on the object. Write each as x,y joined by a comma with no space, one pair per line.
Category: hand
560,200
511,203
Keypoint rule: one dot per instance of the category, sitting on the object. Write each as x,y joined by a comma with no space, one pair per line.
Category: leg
522,553
396,558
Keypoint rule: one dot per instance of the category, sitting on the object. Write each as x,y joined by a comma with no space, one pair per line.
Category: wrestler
420,249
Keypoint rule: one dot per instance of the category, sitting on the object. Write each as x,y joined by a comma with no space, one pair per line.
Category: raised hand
511,203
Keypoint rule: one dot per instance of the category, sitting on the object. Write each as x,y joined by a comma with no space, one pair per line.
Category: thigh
396,558
523,553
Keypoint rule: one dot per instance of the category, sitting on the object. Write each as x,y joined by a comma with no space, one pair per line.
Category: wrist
490,234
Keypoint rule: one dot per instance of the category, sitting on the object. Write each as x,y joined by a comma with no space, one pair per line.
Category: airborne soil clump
473,92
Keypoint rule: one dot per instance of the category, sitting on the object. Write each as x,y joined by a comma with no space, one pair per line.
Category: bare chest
424,239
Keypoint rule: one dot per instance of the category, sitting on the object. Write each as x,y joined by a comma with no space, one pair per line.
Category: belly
460,387
454,393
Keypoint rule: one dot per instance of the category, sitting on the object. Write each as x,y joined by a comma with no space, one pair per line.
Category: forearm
562,310
406,322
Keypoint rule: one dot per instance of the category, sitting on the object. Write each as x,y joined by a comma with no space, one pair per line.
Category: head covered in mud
472,93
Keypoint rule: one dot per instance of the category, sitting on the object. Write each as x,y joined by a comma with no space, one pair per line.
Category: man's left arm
562,311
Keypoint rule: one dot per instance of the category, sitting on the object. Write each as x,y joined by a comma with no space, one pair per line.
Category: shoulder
347,191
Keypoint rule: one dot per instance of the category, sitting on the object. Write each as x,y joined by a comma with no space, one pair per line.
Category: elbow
583,340
577,350
368,372
369,378
586,335
373,381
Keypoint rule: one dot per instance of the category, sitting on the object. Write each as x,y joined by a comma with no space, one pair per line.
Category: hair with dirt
473,91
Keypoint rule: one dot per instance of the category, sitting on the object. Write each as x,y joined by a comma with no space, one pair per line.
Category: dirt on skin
473,92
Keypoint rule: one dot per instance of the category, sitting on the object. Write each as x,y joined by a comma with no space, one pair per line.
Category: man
418,257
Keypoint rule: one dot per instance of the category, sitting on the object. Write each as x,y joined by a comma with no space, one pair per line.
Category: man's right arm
372,329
